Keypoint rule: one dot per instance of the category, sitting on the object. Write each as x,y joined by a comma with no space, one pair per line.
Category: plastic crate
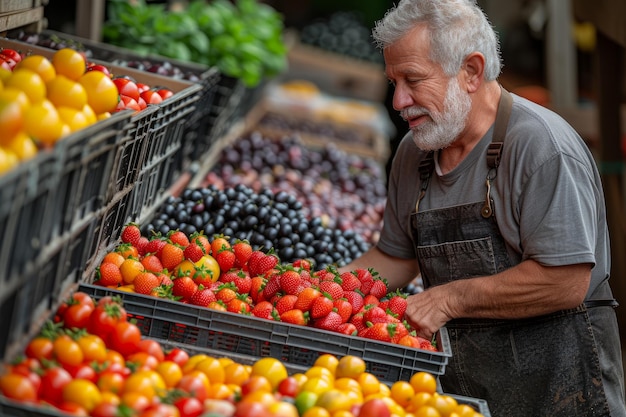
9,408
27,200
476,403
292,344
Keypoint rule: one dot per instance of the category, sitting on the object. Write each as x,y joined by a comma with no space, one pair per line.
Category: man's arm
526,290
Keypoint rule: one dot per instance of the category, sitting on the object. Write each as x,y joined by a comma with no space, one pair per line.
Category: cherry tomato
161,410
73,409
12,54
106,409
127,87
142,87
17,387
177,355
69,62
40,348
77,316
110,381
165,93
6,65
104,318
102,93
52,382
82,392
195,383
189,406
30,373
151,97
125,338
93,347
152,347
82,371
67,351
127,103
98,67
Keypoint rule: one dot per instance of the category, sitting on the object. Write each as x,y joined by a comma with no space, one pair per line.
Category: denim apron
541,366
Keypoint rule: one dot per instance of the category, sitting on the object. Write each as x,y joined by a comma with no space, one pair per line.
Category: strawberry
141,245
400,331
202,275
290,282
155,245
202,297
425,344
131,234
194,252
243,282
286,302
226,292
243,250
328,322
379,288
152,263
359,322
347,329
272,286
217,305
264,310
295,316
398,303
355,298
370,299
407,340
364,274
184,287
219,241
333,288
381,331
239,305
374,314
344,308
165,279
306,298
225,258
145,282
306,264
349,281
178,237
108,274
257,285
321,306
171,256
259,265
201,240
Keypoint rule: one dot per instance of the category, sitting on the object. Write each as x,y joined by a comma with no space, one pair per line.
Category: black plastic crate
292,344
88,163
477,404
27,200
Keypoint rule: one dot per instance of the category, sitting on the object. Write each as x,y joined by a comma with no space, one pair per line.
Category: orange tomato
82,392
327,361
11,120
29,82
67,351
62,91
93,348
402,392
23,146
42,122
350,366
39,64
17,387
212,368
171,373
423,382
130,268
69,62
271,368
235,373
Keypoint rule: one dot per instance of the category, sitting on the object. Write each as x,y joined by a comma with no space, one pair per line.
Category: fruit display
242,38
90,359
209,271
343,190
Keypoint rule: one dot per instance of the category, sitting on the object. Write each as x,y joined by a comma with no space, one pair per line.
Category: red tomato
106,409
52,382
127,87
125,338
98,67
12,54
39,348
142,87
189,406
151,97
374,407
178,356
104,318
160,410
77,316
5,65
142,103
72,409
127,103
153,348
82,371
193,384
10,63
289,387
250,409
30,373
165,93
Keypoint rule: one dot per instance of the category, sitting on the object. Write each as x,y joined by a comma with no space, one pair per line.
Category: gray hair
456,29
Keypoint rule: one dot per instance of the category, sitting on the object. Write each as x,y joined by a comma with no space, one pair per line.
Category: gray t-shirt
548,197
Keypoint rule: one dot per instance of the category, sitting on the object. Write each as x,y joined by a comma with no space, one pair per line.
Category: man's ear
472,71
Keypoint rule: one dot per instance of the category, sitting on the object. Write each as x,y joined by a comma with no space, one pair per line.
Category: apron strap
499,130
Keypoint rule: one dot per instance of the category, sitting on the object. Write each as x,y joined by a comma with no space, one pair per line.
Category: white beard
445,126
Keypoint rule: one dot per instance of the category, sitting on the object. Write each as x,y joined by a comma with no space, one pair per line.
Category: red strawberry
347,329
400,331
171,256
262,265
264,310
152,263
257,284
364,274
131,234
243,282
295,316
193,252
239,304
225,258
359,322
375,314
155,245
355,299
178,237
243,250
253,260
306,264
290,282
379,288
328,322
184,287
398,303
344,308
226,292
200,239
272,286
145,282
108,274
285,303
333,288
321,307
381,331
202,297
306,298
141,245
425,344
350,282
370,299
230,275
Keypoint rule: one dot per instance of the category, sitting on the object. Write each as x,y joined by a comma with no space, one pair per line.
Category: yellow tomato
102,94
74,118
8,160
210,264
316,411
69,63
171,373
130,268
320,372
14,94
327,361
334,400
212,368
423,382
90,114
145,382
273,369
62,91
350,366
316,385
235,373
402,392
282,409
42,122
369,383
11,120
4,74
39,64
82,392
193,361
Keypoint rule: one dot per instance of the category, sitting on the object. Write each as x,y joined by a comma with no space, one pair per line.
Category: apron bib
542,366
